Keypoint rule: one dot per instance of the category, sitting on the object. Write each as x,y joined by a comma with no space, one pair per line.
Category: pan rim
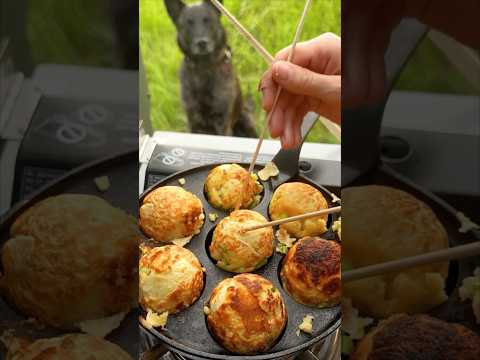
173,344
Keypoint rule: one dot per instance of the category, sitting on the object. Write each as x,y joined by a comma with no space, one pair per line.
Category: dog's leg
244,127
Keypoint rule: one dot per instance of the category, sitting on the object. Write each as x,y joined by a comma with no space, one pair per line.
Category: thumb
301,81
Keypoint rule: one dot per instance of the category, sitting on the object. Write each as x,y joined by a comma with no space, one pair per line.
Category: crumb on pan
335,198
183,241
337,227
285,242
307,324
466,223
157,320
270,170
102,183
206,310
352,324
212,217
182,181
101,327
281,248
470,290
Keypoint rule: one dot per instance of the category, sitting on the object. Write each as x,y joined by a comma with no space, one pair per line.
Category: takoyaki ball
230,186
171,212
171,279
311,272
296,198
238,251
246,314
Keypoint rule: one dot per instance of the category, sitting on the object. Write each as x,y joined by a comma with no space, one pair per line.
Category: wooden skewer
309,215
298,32
454,253
251,39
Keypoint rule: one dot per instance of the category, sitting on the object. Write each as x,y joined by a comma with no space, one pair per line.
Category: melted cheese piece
352,323
466,224
101,327
157,320
270,170
337,227
307,324
285,242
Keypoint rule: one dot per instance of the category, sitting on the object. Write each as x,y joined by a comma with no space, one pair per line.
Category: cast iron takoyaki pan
187,333
453,310
122,171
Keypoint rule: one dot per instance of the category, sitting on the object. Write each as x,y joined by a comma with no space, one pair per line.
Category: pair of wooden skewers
455,253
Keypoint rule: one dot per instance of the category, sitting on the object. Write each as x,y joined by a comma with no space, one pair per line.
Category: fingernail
282,71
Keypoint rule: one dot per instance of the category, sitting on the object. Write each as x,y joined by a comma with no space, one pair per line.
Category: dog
210,89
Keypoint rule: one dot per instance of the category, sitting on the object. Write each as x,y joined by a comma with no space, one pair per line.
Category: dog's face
199,31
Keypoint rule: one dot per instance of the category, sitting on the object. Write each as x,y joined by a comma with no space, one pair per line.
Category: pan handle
287,160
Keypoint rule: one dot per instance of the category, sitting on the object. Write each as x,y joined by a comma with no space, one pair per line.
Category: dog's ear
209,2
174,8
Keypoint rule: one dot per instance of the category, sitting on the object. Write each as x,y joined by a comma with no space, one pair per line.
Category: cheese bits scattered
270,170
182,181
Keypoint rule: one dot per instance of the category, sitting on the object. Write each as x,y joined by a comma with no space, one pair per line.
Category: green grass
70,32
272,22
441,77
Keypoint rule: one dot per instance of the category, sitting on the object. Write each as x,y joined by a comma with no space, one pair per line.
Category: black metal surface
123,173
187,332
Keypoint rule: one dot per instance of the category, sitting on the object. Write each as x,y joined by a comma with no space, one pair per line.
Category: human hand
312,82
